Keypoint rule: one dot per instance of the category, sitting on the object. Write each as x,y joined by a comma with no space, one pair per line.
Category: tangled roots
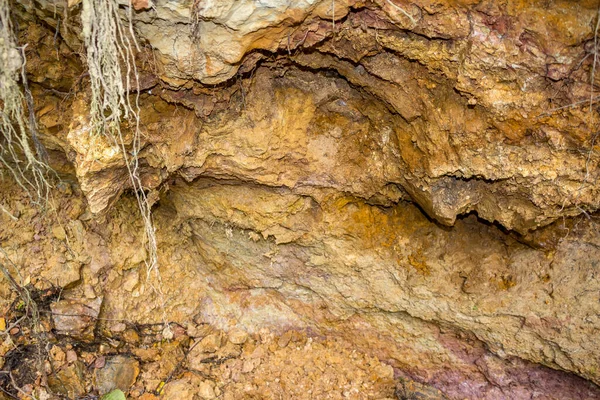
28,167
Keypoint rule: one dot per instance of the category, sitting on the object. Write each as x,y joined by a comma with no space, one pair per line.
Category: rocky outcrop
340,261
484,101
487,104
469,310
418,178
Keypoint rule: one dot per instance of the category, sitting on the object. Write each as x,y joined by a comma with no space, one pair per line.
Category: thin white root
591,103
403,11
27,166
594,132
113,75
8,213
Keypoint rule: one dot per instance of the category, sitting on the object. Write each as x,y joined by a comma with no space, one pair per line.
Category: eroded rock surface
76,317
330,167
424,299
487,100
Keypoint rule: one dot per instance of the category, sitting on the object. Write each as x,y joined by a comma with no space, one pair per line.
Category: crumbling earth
389,198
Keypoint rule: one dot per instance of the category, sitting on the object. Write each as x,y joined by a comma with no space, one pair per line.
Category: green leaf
114,395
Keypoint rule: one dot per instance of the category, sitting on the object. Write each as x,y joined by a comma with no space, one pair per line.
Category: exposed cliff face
471,92
330,166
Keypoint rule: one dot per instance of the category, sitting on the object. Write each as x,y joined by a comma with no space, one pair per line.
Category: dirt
240,365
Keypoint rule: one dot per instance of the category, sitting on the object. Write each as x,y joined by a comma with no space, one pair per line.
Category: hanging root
195,18
113,75
403,11
593,130
592,123
29,168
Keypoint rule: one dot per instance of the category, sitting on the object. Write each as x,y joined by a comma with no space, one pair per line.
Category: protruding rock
238,336
185,388
206,390
60,271
76,317
59,232
119,372
69,380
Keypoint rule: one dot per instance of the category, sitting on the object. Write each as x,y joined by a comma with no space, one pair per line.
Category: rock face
341,263
419,178
484,103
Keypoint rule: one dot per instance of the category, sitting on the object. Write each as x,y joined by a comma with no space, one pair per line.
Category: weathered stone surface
76,317
68,380
206,390
97,159
285,188
184,388
411,390
119,372
352,258
485,101
428,300
222,33
237,336
62,272
190,387
486,71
